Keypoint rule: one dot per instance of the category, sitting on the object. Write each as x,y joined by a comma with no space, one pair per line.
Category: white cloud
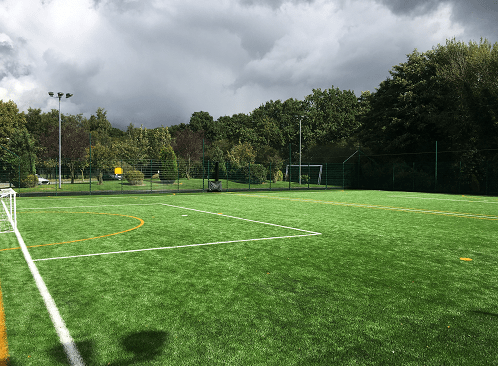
156,62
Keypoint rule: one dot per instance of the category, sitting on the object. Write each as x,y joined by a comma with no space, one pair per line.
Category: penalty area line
176,247
240,218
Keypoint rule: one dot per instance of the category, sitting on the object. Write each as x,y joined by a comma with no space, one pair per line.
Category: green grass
381,285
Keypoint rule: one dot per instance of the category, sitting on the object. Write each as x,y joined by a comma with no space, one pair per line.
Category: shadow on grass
145,346
484,313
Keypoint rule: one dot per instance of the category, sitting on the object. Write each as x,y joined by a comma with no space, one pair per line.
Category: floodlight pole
300,119
59,95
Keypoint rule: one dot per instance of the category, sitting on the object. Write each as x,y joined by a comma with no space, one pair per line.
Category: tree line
448,94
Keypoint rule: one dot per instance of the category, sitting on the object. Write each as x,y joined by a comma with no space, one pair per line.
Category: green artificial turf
382,284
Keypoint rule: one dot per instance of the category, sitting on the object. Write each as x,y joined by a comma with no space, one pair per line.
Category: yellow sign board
118,170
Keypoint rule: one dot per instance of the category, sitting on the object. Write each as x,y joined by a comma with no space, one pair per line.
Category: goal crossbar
306,166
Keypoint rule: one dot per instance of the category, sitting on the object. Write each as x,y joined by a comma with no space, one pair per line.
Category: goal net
312,172
8,213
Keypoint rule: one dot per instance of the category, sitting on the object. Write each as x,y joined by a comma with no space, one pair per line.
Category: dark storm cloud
480,17
412,7
156,62
274,4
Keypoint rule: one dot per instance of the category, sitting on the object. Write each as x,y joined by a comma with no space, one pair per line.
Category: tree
242,154
99,126
134,146
158,139
169,166
19,148
74,145
330,116
11,121
203,121
102,158
23,145
448,94
188,146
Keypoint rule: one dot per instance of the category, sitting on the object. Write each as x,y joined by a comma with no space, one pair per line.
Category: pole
435,183
290,166
90,163
299,151
202,165
60,153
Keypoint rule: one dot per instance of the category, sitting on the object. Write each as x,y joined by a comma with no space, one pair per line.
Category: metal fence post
90,163
435,182
122,175
270,176
249,175
290,166
413,177
309,175
343,176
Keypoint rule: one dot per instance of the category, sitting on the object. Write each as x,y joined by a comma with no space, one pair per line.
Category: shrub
278,176
169,167
134,177
258,173
305,179
29,181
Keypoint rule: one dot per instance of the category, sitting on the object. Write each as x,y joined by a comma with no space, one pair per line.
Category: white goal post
305,170
8,211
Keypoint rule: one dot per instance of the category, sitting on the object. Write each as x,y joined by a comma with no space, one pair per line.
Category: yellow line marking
379,207
4,348
78,240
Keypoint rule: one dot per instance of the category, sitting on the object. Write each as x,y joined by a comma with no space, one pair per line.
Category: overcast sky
155,62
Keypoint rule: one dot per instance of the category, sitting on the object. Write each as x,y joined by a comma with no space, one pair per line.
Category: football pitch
252,278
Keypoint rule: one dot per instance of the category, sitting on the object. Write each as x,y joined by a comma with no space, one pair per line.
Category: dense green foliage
169,167
134,177
448,94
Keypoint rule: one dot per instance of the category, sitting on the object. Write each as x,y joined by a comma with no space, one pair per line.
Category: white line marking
240,218
309,233
179,246
60,327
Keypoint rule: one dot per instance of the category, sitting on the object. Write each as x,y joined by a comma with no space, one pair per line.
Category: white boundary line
309,233
67,342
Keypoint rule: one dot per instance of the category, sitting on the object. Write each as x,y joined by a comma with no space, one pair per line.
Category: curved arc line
142,222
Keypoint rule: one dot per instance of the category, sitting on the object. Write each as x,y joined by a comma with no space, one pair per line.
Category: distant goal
8,212
314,173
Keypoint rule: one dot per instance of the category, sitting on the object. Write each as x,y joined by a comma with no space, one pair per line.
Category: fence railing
148,176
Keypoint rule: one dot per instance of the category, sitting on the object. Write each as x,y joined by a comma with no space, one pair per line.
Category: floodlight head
68,95
60,94
51,94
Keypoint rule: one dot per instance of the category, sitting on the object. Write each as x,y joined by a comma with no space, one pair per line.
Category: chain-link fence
154,176
358,171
